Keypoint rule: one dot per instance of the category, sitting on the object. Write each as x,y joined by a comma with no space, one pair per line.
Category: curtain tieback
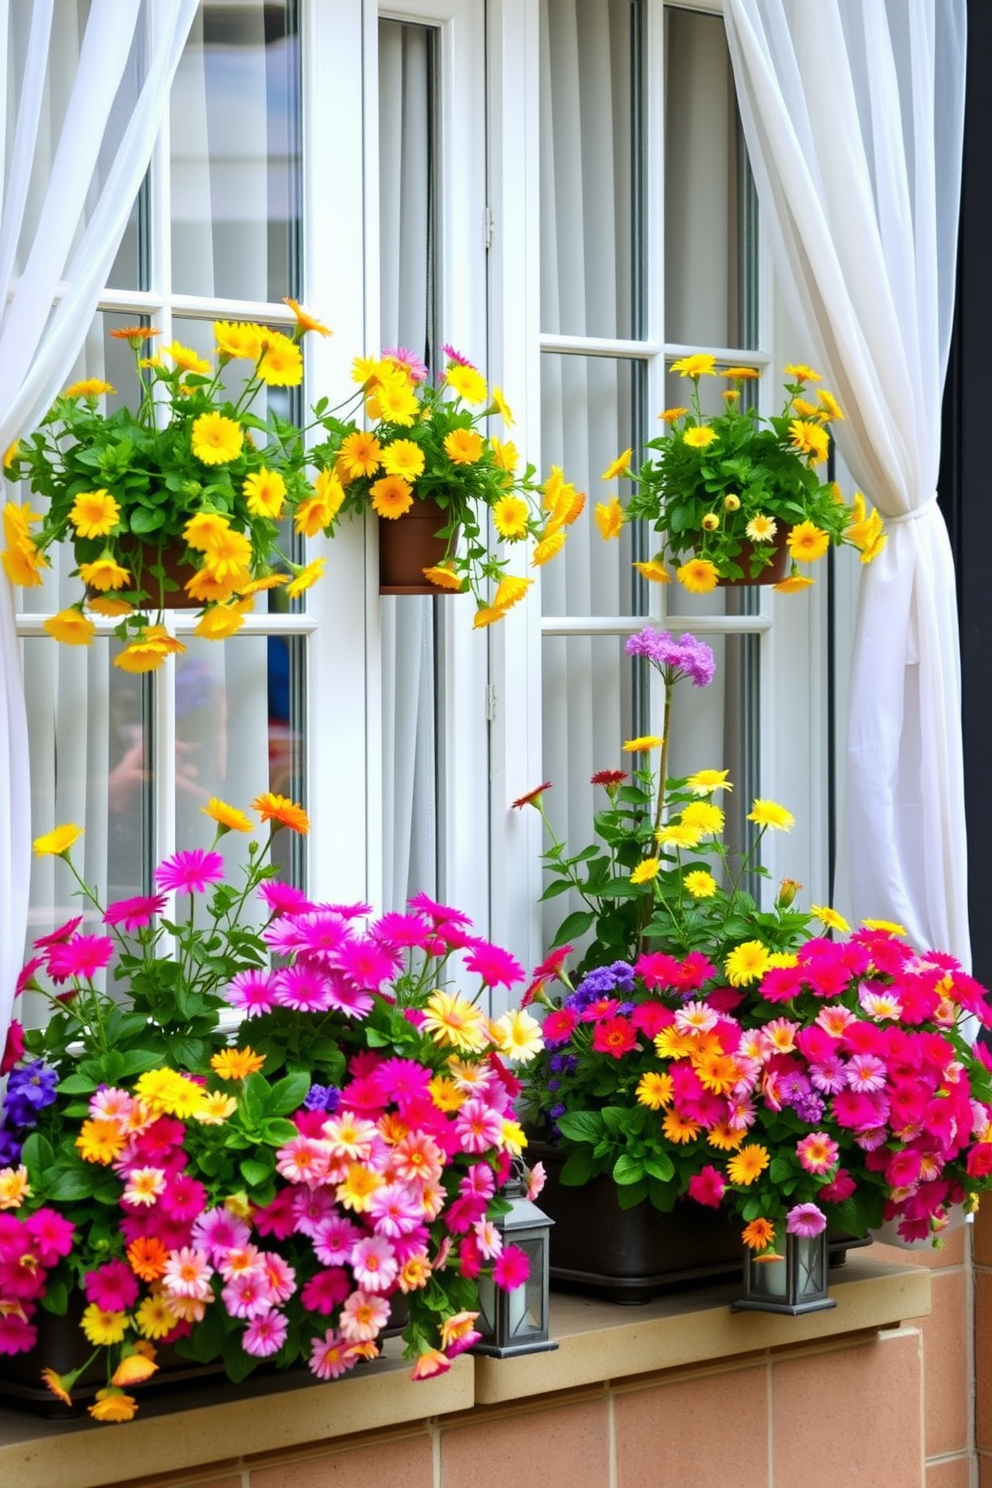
912,516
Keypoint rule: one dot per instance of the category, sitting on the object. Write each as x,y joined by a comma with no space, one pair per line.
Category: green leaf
276,1131
660,1166
254,1171
136,1061
288,1094
72,1183
572,926
628,1197
626,1170
37,1154
77,1085
577,1168
581,1126
56,1298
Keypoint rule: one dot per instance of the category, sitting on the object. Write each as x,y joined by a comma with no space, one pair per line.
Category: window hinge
490,703
487,228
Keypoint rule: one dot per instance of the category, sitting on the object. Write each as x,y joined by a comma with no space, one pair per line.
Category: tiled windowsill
221,1425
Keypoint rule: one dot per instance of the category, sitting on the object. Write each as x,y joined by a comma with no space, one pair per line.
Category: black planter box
629,1255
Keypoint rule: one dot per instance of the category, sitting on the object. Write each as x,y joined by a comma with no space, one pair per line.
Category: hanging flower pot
168,593
772,573
409,544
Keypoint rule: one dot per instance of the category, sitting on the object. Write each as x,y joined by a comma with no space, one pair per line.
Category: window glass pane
407,266
235,154
588,407
701,184
588,190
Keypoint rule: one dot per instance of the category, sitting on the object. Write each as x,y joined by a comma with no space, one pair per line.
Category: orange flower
282,811
147,1256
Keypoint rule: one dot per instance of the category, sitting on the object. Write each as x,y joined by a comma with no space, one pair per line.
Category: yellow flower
740,374
801,373
709,521
486,615
216,440
761,528
237,1064
699,576
281,363
811,439
794,584
700,884
71,627
703,815
672,415
442,577
206,588
112,1405
57,1383
58,841
549,547
100,1141
510,515
705,782
445,1094
450,1019
360,454
282,811
463,446
265,491
11,453
306,577
149,652
94,513
770,814
186,358
698,437
609,518
510,591
305,322
467,382
831,408
22,563
654,571
501,406
891,926
655,1090
90,387
165,1090
223,620
134,1369
678,1128
731,502
807,542
518,1035
620,466
748,1164
512,1138
746,963
112,608
357,1188
216,1109
679,834
699,365
829,918
102,1327
14,1187
391,496
105,573
643,742
646,870
394,400
403,457
227,555
505,455
804,408
229,818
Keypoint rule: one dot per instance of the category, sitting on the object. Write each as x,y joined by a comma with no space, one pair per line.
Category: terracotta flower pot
409,544
775,572
145,555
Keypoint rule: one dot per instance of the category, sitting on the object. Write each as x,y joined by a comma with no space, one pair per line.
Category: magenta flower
335,1240
55,937
367,964
558,1026
190,872
247,1295
817,1152
184,1198
283,899
251,991
806,1220
401,1079
511,1268
494,965
265,1334
321,931
134,914
841,1187
332,1355
14,1045
82,956
305,988
311,1206
354,1002
477,1126
218,1230
52,1235
403,930
707,1187
415,368
113,1287
16,1334
395,1210
440,914
326,1290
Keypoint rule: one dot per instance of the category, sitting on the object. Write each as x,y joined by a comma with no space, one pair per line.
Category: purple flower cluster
322,1098
685,657
30,1088
601,982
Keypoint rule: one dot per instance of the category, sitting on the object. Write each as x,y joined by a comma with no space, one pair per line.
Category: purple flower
806,1220
322,1098
810,1108
10,1149
30,1088
685,657
600,983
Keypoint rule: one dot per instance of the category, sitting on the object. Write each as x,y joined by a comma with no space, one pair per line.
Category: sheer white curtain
84,190
409,747
853,115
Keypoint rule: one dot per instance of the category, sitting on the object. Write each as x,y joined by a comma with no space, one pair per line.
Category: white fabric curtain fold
86,185
853,115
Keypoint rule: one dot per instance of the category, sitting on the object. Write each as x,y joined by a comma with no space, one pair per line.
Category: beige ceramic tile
687,1435
955,1472
566,1447
408,1461
850,1417
946,1382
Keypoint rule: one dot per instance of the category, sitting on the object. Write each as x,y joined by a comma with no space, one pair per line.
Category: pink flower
190,872
332,1355
479,1180
326,1290
219,1230
277,1218
367,964
477,1126
841,1187
707,1187
279,1275
247,1295
658,969
82,957
430,1363
135,914
187,1274
312,1206
495,966
400,1079
52,1235
363,1316
865,1072
458,1333
806,1220
113,1287
536,1179
304,987
251,991
650,1018
439,913
402,929
558,1026
817,1153
17,1335
55,937
184,1198
373,1262
394,1210
283,899
14,1046
511,1268
265,1334
335,1239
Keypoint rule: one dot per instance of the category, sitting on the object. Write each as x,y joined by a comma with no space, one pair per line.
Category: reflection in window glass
235,154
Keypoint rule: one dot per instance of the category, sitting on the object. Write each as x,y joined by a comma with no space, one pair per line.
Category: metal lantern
517,1322
793,1283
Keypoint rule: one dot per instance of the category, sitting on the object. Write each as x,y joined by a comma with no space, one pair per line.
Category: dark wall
966,473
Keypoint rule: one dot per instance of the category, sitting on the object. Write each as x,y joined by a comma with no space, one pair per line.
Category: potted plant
274,1199
423,460
711,1052
735,497
178,500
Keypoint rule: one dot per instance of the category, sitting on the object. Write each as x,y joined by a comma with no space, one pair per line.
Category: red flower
532,798
608,777
615,1036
